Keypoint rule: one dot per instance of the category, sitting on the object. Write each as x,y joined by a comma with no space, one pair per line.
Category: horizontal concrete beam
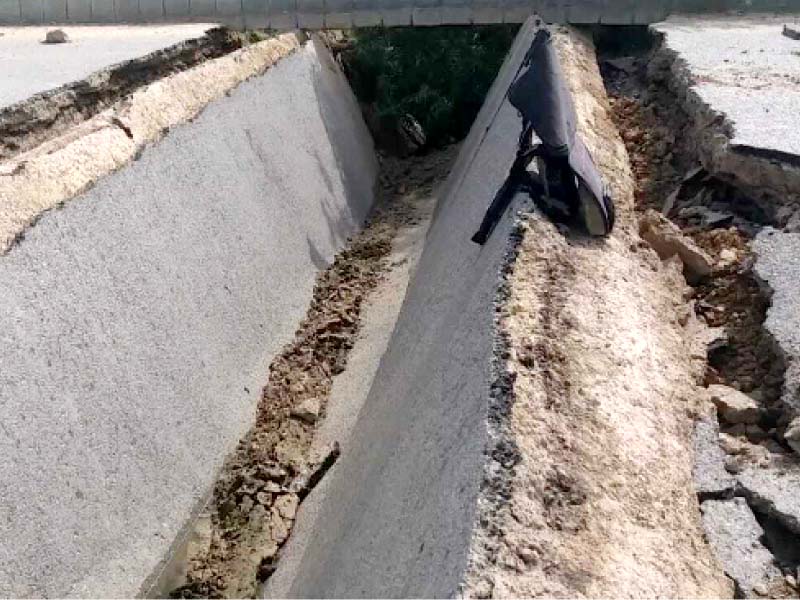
333,14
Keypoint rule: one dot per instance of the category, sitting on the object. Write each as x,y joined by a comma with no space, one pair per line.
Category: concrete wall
138,322
397,518
316,14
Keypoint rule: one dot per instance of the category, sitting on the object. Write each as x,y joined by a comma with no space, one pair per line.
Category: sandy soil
599,499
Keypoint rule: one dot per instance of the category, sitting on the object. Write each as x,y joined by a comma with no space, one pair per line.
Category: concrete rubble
711,479
777,265
667,240
734,535
732,405
775,492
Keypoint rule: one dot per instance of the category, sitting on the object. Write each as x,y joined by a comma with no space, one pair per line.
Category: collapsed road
245,356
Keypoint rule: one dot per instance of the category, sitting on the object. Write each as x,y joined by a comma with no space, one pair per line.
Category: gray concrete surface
774,492
398,515
746,69
351,388
778,267
734,536
139,320
316,14
711,480
28,67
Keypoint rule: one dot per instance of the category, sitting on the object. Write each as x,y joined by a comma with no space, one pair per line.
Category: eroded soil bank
741,421
238,540
589,490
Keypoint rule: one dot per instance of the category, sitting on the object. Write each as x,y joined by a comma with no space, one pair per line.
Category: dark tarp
540,93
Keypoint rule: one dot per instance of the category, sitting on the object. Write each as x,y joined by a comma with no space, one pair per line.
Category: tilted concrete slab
28,67
710,477
735,537
778,267
139,321
745,69
774,492
397,517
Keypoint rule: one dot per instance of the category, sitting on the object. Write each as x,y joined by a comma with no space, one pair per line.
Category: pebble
56,36
308,410
483,589
246,504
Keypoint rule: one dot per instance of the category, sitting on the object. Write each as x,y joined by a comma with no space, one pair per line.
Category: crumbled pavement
709,474
734,535
777,265
774,491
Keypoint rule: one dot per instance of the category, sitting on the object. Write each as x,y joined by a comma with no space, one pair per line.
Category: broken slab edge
60,169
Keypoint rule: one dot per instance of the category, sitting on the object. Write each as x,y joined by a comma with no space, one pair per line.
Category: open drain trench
550,415
256,498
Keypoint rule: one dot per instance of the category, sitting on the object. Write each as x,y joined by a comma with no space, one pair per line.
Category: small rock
287,505
272,487
732,466
278,529
483,589
727,257
56,36
667,240
264,498
308,411
528,555
733,406
792,434
246,504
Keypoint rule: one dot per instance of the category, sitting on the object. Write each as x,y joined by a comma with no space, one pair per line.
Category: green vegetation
438,75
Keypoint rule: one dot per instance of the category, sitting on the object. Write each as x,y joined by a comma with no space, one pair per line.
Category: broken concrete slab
710,477
777,266
667,240
733,406
743,68
734,536
774,491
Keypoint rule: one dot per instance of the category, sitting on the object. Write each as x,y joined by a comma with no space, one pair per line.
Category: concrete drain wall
139,320
398,513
